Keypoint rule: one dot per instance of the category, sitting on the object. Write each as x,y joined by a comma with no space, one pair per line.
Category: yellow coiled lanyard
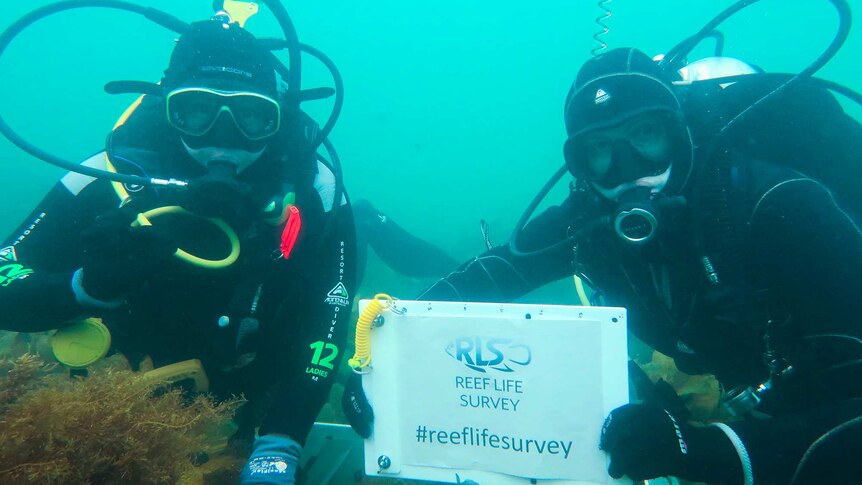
362,357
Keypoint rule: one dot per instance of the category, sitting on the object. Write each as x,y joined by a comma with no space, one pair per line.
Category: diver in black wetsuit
726,258
272,325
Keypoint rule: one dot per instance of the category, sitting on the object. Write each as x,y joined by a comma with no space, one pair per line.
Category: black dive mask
636,148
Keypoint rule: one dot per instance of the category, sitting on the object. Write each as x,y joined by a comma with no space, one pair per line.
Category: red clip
291,231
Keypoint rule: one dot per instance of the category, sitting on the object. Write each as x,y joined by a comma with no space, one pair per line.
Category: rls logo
480,353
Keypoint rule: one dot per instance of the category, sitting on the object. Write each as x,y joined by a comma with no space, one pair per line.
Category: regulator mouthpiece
636,226
642,213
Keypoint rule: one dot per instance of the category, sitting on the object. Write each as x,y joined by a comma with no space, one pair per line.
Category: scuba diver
727,260
271,322
723,212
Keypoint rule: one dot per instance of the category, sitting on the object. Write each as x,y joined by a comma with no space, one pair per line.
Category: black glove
356,407
645,441
117,257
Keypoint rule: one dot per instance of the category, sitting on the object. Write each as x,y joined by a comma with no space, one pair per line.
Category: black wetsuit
302,303
784,249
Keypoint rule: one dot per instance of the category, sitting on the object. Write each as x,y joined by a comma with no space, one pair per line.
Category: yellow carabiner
362,357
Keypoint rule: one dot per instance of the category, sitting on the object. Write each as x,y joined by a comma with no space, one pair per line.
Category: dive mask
194,111
638,148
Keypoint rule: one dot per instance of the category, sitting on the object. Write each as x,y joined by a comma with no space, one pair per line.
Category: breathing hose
162,18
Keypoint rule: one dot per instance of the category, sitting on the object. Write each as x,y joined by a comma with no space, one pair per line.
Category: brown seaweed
108,428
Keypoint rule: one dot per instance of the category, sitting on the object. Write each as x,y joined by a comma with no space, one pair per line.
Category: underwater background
452,114
453,109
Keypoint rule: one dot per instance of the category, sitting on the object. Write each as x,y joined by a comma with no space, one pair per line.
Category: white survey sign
494,393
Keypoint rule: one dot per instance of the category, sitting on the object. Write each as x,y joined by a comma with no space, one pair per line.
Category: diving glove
117,257
645,441
356,407
273,461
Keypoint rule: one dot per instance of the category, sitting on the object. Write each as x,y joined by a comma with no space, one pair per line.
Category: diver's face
224,144
635,153
223,127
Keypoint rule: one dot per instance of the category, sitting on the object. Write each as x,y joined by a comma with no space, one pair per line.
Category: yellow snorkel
240,12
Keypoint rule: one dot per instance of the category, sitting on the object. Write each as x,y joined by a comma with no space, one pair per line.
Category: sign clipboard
494,393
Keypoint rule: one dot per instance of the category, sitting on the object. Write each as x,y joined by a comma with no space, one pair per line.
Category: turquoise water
453,109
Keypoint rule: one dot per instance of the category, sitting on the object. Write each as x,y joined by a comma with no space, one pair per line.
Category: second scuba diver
272,325
727,259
